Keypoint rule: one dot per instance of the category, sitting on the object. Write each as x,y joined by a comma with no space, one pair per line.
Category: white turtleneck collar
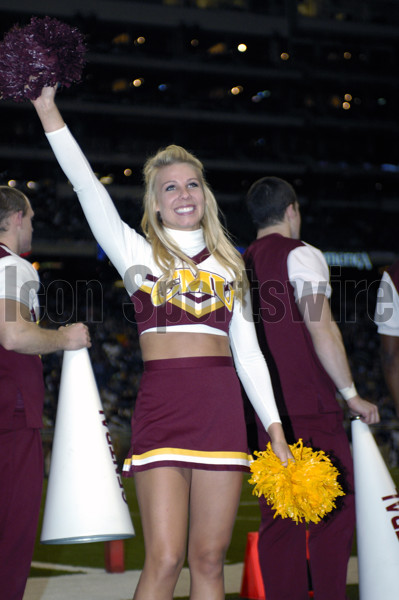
190,242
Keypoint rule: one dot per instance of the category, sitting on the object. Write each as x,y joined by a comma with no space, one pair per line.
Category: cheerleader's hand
279,443
46,99
47,110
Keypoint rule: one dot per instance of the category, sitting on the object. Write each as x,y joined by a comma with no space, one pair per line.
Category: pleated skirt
189,413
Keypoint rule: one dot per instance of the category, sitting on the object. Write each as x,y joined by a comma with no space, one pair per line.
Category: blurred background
307,91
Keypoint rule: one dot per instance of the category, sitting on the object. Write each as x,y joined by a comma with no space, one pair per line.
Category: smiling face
180,197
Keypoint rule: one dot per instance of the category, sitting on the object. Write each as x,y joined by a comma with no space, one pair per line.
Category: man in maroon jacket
22,391
308,363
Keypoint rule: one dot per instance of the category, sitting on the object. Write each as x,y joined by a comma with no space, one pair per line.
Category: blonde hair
217,239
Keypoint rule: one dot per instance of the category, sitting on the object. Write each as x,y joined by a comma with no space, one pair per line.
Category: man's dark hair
267,200
11,201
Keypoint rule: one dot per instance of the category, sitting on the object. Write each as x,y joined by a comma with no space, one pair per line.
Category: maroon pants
21,477
282,543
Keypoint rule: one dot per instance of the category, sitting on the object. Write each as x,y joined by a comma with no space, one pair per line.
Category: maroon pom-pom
43,53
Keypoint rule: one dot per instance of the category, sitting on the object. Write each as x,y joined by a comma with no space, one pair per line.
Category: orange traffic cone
252,582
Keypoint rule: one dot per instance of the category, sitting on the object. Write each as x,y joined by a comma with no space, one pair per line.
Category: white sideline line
66,568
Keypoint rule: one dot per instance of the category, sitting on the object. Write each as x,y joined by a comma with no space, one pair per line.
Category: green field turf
92,555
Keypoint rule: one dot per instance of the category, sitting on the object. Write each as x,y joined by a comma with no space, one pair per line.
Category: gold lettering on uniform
158,295
226,296
192,284
188,282
204,283
185,282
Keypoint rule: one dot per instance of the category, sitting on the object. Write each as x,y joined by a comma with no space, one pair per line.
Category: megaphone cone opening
84,539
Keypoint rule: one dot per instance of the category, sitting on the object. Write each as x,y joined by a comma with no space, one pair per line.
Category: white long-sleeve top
132,256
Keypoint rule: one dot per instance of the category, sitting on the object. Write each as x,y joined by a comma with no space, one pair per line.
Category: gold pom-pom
304,490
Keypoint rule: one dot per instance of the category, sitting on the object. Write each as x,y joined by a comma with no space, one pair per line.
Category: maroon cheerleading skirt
189,413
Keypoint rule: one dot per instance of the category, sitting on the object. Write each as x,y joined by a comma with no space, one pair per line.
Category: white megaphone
85,499
377,519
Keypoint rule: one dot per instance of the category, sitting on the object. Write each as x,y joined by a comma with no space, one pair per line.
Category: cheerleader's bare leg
163,496
214,502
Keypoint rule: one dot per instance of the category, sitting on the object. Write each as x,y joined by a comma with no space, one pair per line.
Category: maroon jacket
301,385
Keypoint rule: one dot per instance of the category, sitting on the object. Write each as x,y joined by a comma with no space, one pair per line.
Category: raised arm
121,244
